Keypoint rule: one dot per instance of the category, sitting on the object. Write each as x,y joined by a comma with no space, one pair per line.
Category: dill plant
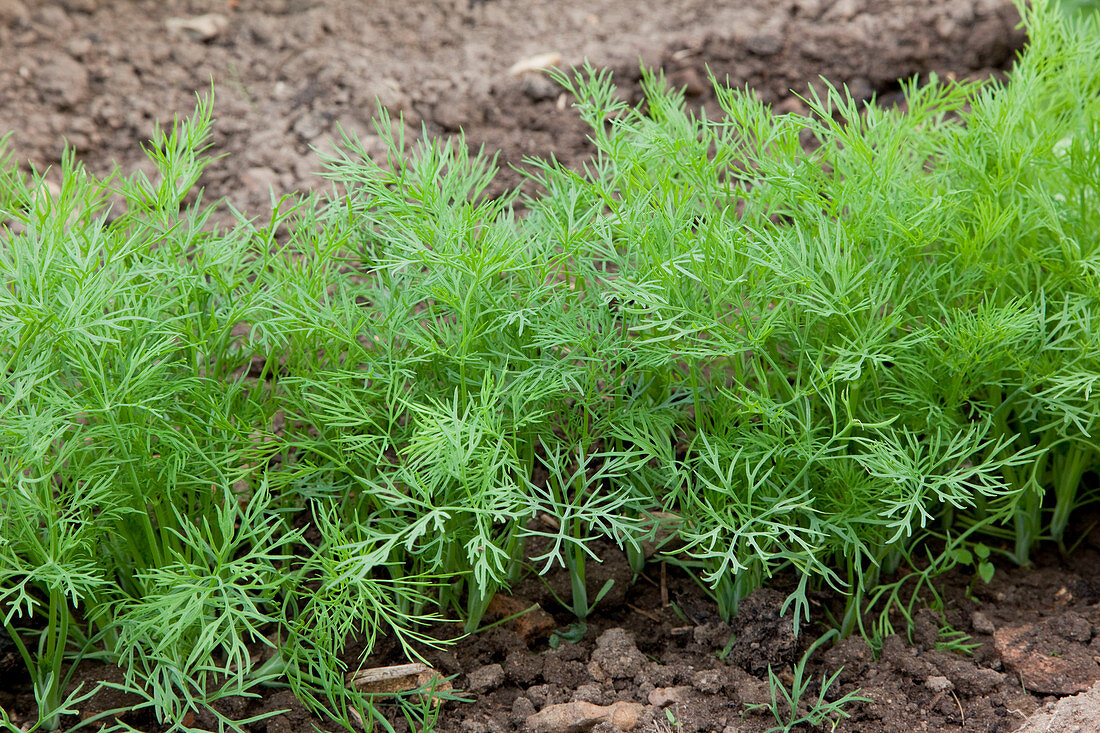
839,344
121,431
137,524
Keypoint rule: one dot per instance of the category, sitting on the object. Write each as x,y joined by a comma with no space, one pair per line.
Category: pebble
809,8
310,127
664,696
199,27
708,681
764,43
538,88
1077,714
539,694
844,9
937,683
946,26
79,46
575,717
539,62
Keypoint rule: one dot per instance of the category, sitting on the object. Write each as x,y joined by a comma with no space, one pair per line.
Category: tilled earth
656,651
287,75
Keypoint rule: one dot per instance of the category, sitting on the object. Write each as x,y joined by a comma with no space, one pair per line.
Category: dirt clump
1050,657
763,635
616,657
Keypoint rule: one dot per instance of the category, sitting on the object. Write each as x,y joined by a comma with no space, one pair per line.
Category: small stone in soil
665,696
540,694
535,63
538,88
765,43
575,717
200,27
589,692
937,683
1077,714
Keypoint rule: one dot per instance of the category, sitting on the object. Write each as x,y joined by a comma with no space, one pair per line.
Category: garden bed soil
659,646
289,74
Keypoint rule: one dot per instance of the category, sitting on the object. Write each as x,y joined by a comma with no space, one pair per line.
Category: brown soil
659,643
287,73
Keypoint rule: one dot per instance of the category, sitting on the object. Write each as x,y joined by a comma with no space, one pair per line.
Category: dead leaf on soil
199,27
531,622
538,62
398,678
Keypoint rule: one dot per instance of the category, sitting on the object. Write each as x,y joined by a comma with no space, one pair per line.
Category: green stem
1068,471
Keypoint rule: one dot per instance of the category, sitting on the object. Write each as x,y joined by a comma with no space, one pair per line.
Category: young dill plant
120,422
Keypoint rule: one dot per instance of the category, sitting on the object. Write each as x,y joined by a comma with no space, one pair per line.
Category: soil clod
617,655
485,679
764,635
1046,662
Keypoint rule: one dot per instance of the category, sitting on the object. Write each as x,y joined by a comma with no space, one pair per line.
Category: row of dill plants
840,345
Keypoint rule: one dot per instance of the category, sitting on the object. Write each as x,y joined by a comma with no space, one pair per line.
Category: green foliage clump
837,344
